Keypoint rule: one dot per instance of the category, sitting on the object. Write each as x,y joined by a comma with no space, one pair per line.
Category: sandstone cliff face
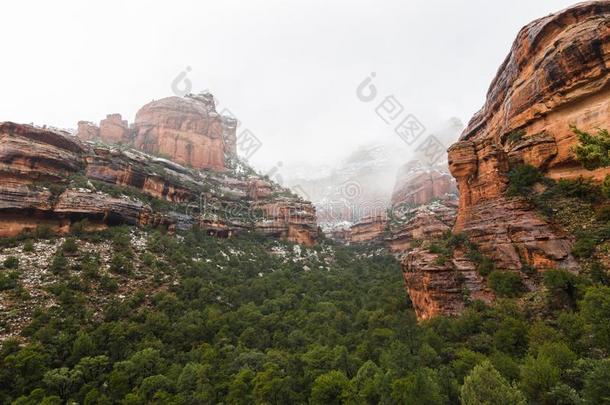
114,129
423,207
53,179
187,130
417,184
423,223
369,229
87,131
555,75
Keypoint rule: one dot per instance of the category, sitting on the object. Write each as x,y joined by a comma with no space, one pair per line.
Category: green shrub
148,259
80,227
515,136
28,246
59,265
43,232
599,273
505,283
580,188
605,188
584,246
90,266
522,179
9,280
527,268
11,262
562,287
485,385
108,284
69,246
484,264
593,151
603,214
121,264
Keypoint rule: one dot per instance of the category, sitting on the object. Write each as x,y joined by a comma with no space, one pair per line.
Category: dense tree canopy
249,320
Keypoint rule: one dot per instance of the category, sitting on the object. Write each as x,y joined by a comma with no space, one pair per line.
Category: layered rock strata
54,179
555,76
186,130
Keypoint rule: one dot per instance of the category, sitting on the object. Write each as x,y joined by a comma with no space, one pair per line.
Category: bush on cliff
563,288
515,136
505,283
9,280
522,179
11,262
594,150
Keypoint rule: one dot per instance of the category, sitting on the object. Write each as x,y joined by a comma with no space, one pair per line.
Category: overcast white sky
288,69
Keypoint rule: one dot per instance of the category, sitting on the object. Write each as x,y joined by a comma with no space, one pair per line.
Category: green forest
251,320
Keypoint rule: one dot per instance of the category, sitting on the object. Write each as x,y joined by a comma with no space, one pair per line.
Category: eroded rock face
114,129
417,184
187,130
369,229
426,222
87,131
288,219
51,178
29,154
441,288
555,75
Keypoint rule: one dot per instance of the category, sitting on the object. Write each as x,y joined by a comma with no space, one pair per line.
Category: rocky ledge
53,179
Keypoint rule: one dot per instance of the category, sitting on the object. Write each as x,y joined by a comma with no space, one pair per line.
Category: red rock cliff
555,75
188,130
416,184
53,179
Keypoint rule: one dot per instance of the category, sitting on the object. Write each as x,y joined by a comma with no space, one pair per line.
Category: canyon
176,167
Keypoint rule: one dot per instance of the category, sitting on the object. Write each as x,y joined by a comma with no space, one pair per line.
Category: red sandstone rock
441,289
87,131
48,179
417,184
555,75
30,154
187,130
369,229
114,129
424,223
287,219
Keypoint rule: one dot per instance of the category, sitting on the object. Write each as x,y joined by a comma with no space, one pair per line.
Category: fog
288,70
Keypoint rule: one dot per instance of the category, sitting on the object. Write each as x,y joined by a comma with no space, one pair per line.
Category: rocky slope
555,76
54,180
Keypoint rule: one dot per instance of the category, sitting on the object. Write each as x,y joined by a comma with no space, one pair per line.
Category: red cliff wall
555,75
